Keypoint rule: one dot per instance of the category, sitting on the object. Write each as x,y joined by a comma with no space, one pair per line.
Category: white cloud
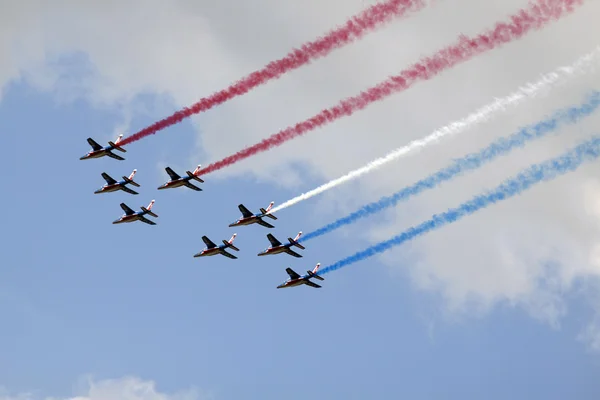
527,252
591,334
126,388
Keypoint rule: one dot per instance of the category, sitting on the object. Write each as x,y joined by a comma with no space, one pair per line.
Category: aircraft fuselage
127,218
96,154
110,188
292,283
173,184
210,252
274,250
246,221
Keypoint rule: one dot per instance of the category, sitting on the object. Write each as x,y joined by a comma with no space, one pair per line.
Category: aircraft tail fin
147,210
114,144
313,273
294,241
193,175
266,212
232,238
130,178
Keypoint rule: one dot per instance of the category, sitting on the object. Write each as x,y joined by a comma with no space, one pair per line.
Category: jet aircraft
249,218
112,185
177,181
99,151
131,216
277,247
212,249
296,280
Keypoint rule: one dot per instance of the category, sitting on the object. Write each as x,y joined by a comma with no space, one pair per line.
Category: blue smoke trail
569,161
470,162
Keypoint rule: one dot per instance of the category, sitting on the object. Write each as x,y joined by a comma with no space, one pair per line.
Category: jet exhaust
355,28
525,20
526,179
471,162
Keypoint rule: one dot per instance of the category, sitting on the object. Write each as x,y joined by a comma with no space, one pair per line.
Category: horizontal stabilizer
126,179
148,212
262,210
231,246
191,175
189,185
313,275
292,241
117,147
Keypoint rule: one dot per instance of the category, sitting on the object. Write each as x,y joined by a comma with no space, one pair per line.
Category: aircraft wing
292,273
127,210
292,253
116,157
226,254
209,243
172,173
263,223
188,184
146,220
273,240
126,189
309,283
94,144
108,178
245,212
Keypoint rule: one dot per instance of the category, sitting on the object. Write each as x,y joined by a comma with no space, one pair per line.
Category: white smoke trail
558,76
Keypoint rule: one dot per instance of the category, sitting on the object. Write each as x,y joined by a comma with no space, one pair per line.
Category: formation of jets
211,249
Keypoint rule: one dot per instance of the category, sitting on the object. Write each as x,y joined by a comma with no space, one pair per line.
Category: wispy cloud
125,388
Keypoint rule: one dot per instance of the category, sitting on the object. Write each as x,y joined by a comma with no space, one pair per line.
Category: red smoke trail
534,17
353,29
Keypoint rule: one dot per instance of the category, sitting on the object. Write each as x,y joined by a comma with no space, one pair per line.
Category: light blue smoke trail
569,161
470,162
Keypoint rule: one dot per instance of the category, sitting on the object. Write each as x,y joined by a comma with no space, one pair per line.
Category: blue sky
81,296
490,308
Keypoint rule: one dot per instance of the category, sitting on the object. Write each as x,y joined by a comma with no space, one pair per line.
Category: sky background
503,304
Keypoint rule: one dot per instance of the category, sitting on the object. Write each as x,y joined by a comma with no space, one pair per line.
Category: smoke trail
355,28
535,17
569,161
558,76
470,162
